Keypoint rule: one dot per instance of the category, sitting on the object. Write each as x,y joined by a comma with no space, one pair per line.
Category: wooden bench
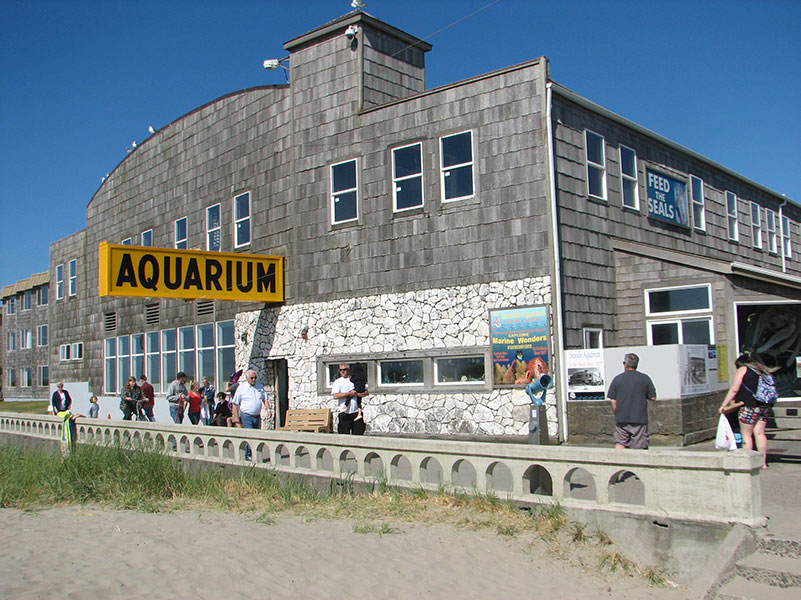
308,419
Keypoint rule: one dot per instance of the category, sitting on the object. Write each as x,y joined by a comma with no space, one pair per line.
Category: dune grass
138,479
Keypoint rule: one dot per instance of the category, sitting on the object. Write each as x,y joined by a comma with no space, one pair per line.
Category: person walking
753,415
177,395
247,403
629,394
148,397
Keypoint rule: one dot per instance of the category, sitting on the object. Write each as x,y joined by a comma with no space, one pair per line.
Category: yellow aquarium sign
189,274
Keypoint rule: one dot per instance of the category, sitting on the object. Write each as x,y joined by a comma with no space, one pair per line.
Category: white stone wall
452,317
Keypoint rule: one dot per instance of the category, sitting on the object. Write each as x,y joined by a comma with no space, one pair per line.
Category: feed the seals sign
189,274
667,198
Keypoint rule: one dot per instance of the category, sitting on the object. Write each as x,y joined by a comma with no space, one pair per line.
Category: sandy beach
93,552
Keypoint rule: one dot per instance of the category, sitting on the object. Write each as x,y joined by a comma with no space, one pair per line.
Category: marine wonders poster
519,345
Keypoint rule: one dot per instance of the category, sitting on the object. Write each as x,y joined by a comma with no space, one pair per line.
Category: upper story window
628,178
773,241
593,337
456,173
11,341
697,197
27,300
147,238
242,220
73,274
679,315
756,225
25,339
127,242
41,335
59,282
213,239
344,192
731,217
42,294
181,236
787,245
11,305
596,165
407,177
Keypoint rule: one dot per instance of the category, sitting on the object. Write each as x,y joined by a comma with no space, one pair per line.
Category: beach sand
98,553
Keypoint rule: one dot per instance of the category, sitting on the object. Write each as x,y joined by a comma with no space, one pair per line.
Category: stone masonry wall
444,318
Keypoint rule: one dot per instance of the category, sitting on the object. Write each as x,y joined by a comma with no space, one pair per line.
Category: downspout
781,234
556,284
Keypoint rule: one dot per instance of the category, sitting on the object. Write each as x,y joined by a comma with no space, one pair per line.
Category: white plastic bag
724,440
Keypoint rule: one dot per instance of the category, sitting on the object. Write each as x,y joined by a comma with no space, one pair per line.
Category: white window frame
12,378
11,341
109,360
693,311
60,282
586,336
242,221
679,328
697,201
146,233
445,171
72,272
25,379
11,305
770,222
380,363
211,230
42,337
334,194
43,291
70,352
127,241
756,225
27,300
181,243
397,182
44,381
626,177
590,164
732,217
25,339
787,243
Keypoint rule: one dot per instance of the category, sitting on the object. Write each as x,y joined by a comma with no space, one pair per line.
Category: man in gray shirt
177,397
629,394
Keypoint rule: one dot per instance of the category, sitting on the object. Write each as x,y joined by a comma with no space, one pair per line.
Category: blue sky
82,79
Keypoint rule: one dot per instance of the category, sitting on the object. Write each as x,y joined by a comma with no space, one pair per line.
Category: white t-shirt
250,398
342,386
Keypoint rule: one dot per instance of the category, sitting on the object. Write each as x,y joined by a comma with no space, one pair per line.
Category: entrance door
278,387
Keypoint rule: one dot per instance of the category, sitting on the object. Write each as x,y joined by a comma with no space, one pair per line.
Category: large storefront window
773,331
200,351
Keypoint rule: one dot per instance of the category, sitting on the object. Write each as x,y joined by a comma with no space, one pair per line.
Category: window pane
214,241
344,207
409,193
696,298
138,343
205,364
242,206
695,331
168,340
407,161
596,181
137,366
457,149
243,233
343,176
205,336
464,369
664,333
225,334
627,164
147,238
629,193
401,372
213,217
595,148
153,370
226,365
459,182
